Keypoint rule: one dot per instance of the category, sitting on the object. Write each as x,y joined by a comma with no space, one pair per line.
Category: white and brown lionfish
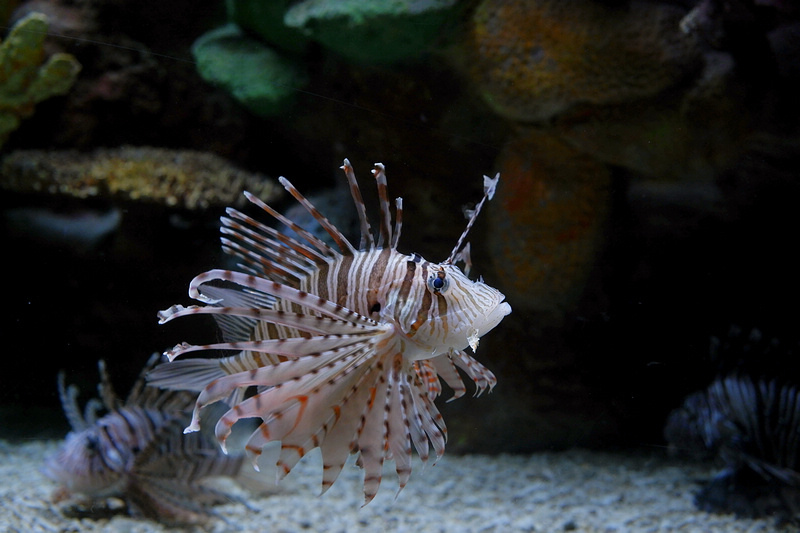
137,452
345,347
751,426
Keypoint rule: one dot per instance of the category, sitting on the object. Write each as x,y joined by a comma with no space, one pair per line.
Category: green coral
24,80
265,20
257,76
374,31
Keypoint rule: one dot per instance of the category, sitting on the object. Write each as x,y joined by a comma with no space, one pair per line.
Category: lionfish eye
92,444
438,282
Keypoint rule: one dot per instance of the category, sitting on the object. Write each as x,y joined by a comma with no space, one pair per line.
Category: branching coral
24,79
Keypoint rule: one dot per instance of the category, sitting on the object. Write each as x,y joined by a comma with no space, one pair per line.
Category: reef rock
535,60
176,178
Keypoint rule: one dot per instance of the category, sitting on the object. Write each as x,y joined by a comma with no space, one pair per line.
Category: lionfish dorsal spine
489,187
326,250
341,241
398,222
367,242
385,235
240,224
69,403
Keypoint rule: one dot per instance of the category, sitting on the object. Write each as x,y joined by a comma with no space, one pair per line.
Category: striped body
345,347
752,427
137,452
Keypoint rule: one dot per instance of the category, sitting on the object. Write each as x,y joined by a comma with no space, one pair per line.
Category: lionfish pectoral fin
449,373
398,427
483,377
290,294
298,403
187,374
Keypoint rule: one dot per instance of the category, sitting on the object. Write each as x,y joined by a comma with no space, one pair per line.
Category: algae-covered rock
265,19
377,31
24,79
186,179
538,59
258,77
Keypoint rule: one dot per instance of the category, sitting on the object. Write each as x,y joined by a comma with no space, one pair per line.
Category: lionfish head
79,466
459,310
454,311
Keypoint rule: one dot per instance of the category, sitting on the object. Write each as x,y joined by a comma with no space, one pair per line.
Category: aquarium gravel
576,490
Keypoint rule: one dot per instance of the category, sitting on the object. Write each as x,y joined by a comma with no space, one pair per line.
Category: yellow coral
180,178
24,80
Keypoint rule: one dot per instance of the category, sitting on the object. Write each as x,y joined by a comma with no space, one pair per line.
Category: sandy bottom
576,490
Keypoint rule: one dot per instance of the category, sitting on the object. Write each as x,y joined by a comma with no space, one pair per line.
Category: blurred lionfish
137,452
346,348
753,427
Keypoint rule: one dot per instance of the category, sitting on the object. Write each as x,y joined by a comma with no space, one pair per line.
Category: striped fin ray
68,395
326,250
446,369
367,242
385,235
287,347
326,401
166,474
277,290
318,364
397,423
196,374
427,373
398,222
257,261
482,376
338,442
371,441
288,406
279,246
106,390
341,241
427,417
489,187
320,325
329,412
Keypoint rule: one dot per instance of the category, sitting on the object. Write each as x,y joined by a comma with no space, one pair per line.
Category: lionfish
138,452
345,347
752,427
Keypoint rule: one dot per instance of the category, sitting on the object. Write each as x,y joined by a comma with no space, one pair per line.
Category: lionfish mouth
496,315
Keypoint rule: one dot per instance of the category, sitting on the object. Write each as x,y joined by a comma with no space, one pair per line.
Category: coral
24,79
180,178
678,136
535,60
257,76
265,19
546,236
373,31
